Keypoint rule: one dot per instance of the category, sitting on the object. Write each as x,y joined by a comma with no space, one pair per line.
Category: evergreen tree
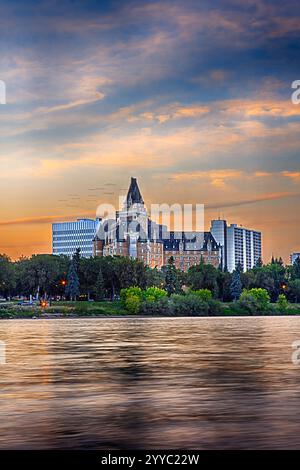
259,263
72,288
171,277
100,286
296,268
236,284
76,258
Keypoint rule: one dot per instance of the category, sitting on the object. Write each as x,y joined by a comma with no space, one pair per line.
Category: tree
154,277
293,291
204,276
88,274
224,282
7,276
100,287
72,288
236,284
171,279
296,269
41,275
77,258
254,300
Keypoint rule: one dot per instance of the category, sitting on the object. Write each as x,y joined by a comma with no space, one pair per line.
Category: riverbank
115,309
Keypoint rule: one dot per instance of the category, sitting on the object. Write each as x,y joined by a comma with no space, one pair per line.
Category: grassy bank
62,309
94,309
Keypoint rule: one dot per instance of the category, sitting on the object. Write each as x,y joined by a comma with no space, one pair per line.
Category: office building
68,236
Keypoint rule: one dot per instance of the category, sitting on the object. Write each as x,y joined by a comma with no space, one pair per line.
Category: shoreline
105,317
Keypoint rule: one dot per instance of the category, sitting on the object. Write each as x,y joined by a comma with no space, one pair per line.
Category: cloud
255,200
294,175
43,219
217,178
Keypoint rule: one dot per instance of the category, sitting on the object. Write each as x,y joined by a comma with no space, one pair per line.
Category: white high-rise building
68,236
239,245
294,256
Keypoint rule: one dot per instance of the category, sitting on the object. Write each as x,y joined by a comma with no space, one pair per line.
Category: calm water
191,383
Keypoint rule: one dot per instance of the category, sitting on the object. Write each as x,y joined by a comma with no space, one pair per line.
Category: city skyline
154,236
193,99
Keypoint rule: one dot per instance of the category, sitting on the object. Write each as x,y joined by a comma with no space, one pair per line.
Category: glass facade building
68,236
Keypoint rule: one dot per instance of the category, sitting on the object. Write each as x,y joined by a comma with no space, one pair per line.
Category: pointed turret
134,195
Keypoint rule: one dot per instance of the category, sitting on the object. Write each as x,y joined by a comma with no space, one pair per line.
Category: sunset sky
191,97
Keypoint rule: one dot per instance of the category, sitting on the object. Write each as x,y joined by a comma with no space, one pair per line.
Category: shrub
204,294
215,307
153,294
133,304
188,305
254,300
158,307
129,292
282,303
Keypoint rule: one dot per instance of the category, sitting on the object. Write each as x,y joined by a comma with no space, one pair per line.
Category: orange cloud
43,219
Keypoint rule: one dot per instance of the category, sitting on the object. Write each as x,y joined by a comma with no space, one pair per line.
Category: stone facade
131,235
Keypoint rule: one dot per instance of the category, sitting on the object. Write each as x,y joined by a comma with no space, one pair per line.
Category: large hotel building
131,233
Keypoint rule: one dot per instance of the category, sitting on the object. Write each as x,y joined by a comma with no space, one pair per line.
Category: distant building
239,245
294,256
68,236
133,234
219,232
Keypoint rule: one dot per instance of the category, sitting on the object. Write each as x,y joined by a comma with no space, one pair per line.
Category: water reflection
191,383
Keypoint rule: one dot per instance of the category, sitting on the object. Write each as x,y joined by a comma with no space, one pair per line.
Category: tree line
98,278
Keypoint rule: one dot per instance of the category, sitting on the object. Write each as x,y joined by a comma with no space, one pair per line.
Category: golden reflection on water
188,383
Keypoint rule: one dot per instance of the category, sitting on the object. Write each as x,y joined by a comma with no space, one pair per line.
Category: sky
191,97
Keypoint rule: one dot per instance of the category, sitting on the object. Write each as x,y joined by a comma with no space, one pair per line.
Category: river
147,383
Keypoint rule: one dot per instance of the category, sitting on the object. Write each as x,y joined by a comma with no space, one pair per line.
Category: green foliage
81,308
100,287
171,279
7,276
254,301
129,292
104,277
188,305
215,307
133,304
224,281
158,307
153,294
295,269
236,284
282,303
155,277
271,277
41,274
203,276
293,291
203,294
72,288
